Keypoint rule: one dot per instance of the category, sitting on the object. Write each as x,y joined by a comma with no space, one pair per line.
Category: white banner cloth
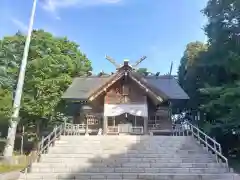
133,109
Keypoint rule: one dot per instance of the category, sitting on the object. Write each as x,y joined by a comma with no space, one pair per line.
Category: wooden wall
132,94
159,115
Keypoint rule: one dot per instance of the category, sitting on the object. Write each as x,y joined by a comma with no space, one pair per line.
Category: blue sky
159,29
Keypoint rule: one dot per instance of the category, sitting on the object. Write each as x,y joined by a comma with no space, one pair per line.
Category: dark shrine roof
82,87
168,85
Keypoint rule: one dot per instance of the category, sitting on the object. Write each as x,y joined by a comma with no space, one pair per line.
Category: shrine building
124,102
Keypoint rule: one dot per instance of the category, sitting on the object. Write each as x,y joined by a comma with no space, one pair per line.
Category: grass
2,139
18,163
10,168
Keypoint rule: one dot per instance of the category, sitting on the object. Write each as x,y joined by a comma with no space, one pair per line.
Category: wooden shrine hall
125,102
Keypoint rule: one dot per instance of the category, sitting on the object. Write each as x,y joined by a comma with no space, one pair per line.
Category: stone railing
136,130
187,129
44,145
113,129
74,129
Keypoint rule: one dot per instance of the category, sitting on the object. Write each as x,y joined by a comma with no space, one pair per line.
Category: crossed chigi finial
134,66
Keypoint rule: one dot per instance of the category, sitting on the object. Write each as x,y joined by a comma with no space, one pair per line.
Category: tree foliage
189,71
52,64
143,71
214,81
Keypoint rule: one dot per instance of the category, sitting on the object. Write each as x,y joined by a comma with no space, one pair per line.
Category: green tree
223,31
218,72
143,71
52,64
7,63
189,72
5,103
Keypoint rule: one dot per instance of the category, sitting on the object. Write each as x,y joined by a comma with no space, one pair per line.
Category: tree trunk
9,147
37,130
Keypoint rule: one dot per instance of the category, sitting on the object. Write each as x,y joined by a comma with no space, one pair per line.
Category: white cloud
22,26
53,5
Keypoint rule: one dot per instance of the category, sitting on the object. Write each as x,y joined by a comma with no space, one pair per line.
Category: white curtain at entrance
118,109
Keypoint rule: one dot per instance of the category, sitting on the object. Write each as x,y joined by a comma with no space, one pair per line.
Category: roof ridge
85,77
159,77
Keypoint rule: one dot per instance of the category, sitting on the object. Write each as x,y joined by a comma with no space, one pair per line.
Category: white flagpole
18,94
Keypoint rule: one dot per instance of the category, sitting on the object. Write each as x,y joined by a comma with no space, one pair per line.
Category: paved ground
10,176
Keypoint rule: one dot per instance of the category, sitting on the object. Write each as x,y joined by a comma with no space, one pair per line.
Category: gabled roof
167,85
83,87
114,78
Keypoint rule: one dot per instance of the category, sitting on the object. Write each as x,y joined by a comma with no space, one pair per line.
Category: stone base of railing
137,130
159,132
115,130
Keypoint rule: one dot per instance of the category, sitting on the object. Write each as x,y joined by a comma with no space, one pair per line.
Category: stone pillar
105,124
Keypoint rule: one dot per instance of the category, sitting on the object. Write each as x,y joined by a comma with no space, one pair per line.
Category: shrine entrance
126,123
125,118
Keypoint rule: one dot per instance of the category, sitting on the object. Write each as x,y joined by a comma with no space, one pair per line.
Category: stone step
143,149
79,143
70,159
136,148
83,164
122,144
119,156
126,155
131,148
131,152
129,137
83,141
128,176
125,141
96,169
95,143
147,149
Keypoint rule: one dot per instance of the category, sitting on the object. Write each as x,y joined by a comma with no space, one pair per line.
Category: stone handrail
44,145
209,142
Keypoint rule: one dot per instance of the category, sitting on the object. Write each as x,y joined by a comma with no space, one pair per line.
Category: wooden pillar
170,111
105,124
145,126
170,115
86,132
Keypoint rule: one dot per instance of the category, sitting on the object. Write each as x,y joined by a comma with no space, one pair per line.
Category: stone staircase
128,157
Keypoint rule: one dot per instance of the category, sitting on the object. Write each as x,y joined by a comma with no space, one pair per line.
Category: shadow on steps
128,157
